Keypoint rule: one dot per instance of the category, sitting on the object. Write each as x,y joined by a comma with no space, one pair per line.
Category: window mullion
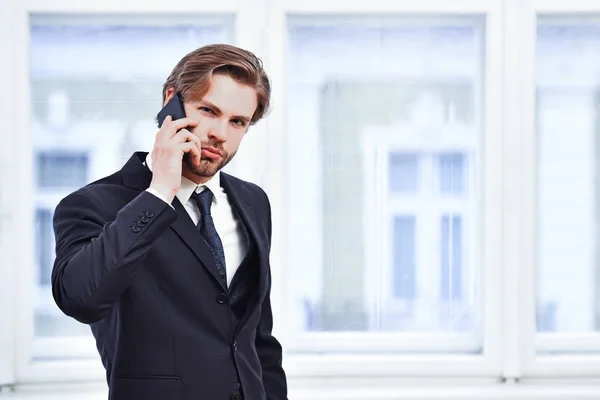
518,288
7,180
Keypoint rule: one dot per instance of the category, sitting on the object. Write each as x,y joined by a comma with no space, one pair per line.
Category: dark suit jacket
135,270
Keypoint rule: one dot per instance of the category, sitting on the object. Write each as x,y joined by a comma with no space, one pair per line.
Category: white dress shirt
228,226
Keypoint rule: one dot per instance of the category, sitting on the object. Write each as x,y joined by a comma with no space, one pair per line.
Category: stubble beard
206,168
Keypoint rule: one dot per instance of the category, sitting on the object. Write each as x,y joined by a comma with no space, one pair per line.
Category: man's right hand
167,155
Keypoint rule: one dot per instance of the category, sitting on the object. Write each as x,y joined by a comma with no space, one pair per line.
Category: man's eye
238,122
205,109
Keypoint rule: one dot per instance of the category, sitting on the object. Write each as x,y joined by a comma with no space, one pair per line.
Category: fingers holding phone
172,141
195,145
170,127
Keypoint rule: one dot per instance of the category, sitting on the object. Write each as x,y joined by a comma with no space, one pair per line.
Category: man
168,258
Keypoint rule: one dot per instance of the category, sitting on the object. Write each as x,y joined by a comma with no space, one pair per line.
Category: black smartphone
174,108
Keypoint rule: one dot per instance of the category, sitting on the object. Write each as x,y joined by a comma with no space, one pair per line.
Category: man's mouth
211,152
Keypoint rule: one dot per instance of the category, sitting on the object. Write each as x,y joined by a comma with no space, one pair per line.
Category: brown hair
192,75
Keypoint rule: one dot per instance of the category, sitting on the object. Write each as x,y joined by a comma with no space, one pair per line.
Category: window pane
451,257
45,245
56,170
360,248
452,173
568,66
96,90
404,258
404,172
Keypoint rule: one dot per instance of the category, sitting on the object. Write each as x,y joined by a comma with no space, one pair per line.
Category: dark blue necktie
208,230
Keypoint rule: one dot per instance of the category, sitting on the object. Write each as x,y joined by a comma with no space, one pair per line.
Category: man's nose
218,131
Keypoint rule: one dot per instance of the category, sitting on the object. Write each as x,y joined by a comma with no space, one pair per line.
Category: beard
207,167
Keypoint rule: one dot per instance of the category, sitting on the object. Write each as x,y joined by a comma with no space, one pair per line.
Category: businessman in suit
168,259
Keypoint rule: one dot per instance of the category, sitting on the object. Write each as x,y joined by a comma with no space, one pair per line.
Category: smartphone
174,108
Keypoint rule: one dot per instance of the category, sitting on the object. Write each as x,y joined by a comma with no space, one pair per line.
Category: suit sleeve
96,258
267,346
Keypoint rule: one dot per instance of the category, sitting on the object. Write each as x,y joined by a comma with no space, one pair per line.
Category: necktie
209,232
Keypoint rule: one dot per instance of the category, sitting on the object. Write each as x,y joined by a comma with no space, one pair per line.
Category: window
394,254
568,279
59,172
430,284
95,89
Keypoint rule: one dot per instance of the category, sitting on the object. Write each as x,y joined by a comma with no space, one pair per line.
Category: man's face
224,114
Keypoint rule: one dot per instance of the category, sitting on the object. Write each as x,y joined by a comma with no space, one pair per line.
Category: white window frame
331,360
571,355
48,360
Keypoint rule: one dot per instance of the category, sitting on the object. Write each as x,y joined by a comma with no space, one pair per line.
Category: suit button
149,214
140,223
235,347
222,298
236,396
136,229
144,219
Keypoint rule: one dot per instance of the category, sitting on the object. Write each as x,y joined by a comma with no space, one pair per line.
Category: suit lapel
239,200
250,218
189,233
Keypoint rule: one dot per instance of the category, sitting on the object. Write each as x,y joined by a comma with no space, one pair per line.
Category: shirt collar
188,187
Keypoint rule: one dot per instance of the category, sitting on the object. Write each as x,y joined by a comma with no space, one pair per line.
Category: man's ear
169,95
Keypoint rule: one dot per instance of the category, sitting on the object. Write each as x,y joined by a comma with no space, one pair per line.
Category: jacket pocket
146,388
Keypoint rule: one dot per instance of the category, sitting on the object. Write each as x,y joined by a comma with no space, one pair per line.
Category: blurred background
434,170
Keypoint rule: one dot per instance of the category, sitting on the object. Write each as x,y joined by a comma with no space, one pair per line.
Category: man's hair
192,75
